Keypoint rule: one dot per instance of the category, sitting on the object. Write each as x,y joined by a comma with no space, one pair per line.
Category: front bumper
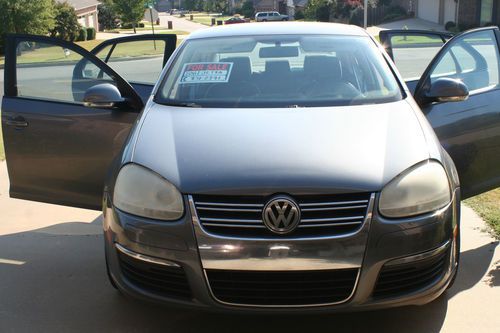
381,242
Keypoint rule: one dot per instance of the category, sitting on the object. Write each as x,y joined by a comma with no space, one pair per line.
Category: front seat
239,84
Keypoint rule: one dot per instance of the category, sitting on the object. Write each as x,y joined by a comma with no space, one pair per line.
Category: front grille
167,281
321,215
283,288
397,280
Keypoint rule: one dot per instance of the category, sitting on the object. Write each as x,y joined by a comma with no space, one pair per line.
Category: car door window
136,61
412,53
472,59
52,72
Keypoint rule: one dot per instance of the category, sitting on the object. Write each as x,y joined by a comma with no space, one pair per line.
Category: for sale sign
206,72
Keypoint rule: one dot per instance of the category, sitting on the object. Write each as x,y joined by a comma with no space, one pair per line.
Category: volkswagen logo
281,215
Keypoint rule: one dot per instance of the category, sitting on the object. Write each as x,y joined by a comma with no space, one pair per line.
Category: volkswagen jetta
272,167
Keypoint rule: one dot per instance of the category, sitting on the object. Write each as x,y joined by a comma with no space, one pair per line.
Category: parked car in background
235,20
270,16
274,167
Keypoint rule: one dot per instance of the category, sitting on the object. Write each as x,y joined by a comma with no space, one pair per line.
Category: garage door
428,10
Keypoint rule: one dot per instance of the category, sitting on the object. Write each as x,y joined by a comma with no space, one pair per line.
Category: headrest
322,66
242,68
280,67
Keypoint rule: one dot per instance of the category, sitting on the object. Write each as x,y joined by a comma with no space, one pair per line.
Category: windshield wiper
184,104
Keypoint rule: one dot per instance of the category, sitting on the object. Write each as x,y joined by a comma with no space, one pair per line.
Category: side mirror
103,95
447,90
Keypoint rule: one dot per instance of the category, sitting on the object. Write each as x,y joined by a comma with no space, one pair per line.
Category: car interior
293,72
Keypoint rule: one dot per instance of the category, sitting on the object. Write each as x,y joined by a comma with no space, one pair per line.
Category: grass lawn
487,205
205,18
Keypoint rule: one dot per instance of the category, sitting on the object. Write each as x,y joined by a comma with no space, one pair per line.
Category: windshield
279,71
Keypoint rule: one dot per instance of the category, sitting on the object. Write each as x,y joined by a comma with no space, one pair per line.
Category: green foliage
25,16
357,16
216,6
299,15
394,13
66,22
108,17
247,9
318,10
189,4
91,33
82,35
130,11
449,25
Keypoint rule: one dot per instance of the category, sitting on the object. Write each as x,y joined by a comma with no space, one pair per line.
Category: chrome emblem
281,215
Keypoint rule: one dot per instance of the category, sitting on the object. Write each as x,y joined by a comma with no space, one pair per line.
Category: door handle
17,122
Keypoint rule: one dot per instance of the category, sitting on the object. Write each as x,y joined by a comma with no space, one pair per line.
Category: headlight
421,189
142,192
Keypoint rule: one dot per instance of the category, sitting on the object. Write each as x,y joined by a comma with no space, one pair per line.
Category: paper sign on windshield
206,72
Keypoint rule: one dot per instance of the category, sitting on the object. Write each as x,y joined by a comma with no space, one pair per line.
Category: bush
91,33
395,13
130,26
108,17
82,35
247,9
449,25
357,16
299,15
66,22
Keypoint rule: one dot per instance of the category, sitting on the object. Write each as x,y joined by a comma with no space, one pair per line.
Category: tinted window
51,72
136,61
414,52
472,59
279,71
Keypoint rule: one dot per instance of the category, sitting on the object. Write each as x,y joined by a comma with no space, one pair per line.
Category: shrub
82,35
247,9
449,25
91,33
66,22
395,13
130,25
299,15
357,16
108,17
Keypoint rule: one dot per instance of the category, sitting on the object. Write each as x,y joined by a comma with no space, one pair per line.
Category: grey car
271,167
270,16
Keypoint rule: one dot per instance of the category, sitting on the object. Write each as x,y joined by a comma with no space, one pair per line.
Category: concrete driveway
52,278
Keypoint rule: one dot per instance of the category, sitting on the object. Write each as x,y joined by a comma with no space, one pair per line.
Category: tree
247,9
319,10
108,17
130,11
25,16
66,22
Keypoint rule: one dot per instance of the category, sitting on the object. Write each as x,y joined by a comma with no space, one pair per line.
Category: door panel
138,59
412,51
58,150
469,130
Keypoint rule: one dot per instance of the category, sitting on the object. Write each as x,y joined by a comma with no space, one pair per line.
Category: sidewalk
412,23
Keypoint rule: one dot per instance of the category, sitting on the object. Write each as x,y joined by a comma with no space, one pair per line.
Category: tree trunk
135,31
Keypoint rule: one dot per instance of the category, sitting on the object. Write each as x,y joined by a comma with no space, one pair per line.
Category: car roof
281,28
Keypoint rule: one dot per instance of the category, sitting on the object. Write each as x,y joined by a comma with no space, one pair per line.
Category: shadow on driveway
53,281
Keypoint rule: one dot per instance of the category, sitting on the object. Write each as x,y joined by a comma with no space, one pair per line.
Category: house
469,13
293,6
474,13
270,5
86,10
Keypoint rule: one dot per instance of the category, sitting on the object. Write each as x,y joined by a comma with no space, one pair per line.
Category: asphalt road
52,279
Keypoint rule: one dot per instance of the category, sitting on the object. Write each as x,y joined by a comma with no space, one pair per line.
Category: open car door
138,59
412,51
59,141
469,130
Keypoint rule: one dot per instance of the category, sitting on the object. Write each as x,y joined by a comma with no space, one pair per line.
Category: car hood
293,150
